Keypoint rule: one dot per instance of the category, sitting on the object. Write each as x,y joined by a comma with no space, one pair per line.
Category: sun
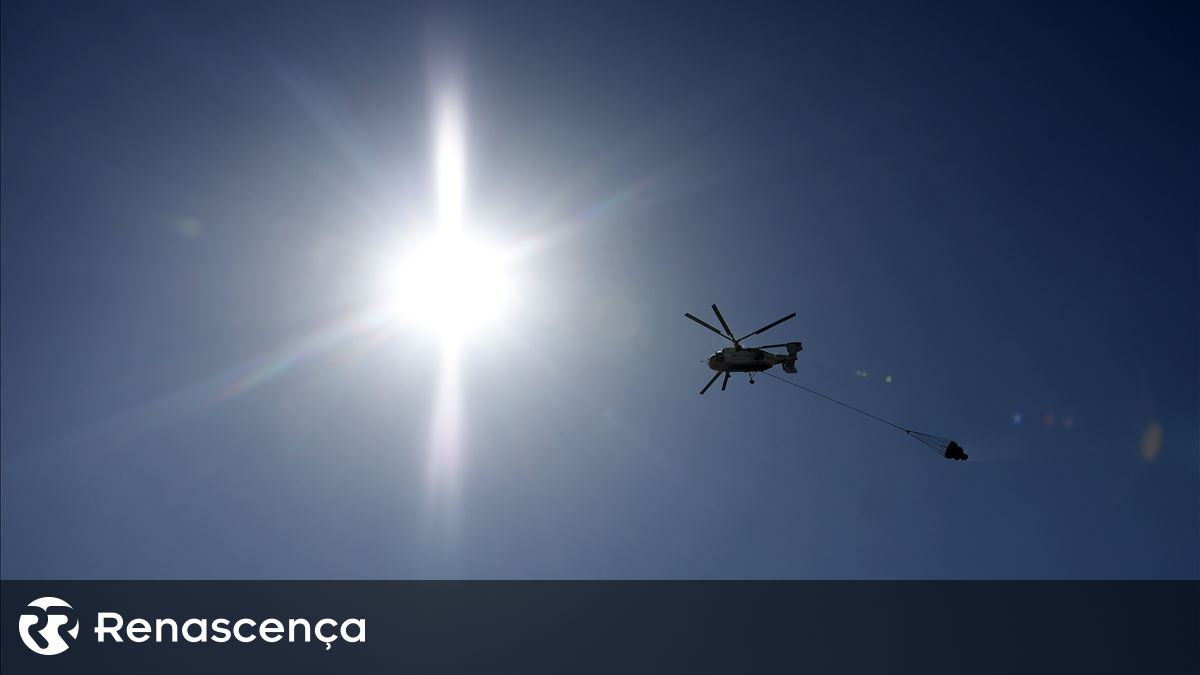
451,284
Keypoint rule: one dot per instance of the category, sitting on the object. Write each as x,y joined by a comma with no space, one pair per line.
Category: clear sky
985,217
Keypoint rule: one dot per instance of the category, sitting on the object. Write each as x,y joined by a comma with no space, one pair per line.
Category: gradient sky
995,206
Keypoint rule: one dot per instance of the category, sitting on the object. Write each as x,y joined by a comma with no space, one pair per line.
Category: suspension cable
943,446
841,403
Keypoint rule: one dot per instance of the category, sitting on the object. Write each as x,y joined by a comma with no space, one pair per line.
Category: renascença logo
47,621
44,624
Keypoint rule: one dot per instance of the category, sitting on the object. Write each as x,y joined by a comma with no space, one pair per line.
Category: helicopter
739,359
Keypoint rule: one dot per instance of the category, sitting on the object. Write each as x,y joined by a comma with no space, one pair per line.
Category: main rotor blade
784,344
723,324
725,381
768,326
714,379
727,337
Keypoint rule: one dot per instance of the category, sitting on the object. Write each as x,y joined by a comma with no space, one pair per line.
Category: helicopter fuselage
731,360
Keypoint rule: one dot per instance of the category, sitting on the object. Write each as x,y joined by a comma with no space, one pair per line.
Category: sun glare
450,284
453,282
450,162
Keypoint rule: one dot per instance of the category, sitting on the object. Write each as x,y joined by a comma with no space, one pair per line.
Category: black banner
567,627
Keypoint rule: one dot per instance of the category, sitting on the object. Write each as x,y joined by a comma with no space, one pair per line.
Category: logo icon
44,623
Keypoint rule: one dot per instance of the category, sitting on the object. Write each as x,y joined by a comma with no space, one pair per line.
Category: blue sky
996,206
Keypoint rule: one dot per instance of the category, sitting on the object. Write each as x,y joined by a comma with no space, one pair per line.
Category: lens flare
1152,440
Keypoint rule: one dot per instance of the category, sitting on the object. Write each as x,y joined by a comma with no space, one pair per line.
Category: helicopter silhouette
739,359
